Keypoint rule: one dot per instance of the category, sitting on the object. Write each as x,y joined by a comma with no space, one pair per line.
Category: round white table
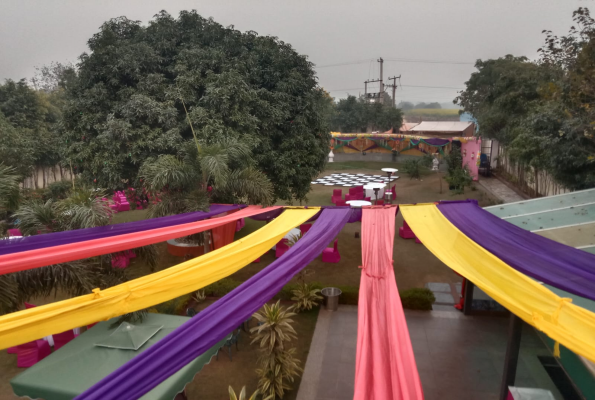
358,203
369,188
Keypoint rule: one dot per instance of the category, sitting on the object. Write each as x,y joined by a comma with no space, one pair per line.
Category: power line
416,86
407,60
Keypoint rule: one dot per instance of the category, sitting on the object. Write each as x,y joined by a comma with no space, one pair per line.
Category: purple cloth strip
190,340
558,265
267,216
80,235
436,141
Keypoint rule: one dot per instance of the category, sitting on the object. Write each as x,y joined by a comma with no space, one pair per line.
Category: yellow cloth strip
35,323
571,325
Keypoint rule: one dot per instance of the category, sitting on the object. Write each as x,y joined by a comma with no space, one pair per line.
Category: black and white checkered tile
349,180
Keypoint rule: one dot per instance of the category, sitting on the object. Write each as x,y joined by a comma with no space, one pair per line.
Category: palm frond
8,295
135,317
248,184
168,171
173,203
38,217
149,254
78,212
214,161
9,188
74,278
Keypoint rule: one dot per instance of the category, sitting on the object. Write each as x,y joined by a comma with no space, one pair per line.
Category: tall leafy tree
31,120
356,115
126,104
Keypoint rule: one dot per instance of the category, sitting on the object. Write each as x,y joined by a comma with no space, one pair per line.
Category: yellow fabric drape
35,323
571,325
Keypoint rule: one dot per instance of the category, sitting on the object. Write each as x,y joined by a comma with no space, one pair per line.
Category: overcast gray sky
34,33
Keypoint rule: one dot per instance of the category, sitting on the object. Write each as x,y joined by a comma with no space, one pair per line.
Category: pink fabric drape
385,365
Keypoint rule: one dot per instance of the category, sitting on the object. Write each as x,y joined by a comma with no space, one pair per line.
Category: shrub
305,297
417,299
58,190
277,365
459,178
413,168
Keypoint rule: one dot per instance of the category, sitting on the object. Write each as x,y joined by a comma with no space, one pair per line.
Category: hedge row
413,299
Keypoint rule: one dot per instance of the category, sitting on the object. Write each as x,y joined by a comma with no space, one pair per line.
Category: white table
369,188
358,203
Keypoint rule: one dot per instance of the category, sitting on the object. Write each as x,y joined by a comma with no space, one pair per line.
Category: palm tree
277,365
83,208
222,171
9,188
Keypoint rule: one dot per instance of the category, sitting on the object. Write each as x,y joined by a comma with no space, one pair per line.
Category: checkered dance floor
349,180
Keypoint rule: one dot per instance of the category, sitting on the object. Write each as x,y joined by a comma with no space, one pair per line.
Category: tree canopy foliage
542,111
126,105
29,127
356,115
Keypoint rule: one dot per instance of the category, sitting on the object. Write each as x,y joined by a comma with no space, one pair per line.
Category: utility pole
381,61
394,86
365,89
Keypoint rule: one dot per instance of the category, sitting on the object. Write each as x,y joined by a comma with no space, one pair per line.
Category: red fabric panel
76,251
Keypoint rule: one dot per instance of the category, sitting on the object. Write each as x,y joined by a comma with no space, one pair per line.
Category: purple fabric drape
81,235
267,216
543,259
201,332
436,141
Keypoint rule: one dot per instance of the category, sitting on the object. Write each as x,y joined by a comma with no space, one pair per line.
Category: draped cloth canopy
35,323
557,317
548,261
201,332
385,366
75,251
80,235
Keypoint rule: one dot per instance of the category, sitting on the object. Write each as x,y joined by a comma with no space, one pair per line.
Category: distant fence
534,183
43,176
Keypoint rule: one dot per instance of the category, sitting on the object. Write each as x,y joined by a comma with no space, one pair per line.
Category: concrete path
457,357
330,369
500,190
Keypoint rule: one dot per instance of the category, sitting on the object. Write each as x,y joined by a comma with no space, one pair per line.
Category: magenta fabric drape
385,366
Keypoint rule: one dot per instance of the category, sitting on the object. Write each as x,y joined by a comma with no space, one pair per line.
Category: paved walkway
458,357
500,190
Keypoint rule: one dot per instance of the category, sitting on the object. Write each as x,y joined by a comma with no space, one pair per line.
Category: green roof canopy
80,364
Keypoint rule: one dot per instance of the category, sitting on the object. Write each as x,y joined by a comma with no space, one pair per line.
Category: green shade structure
548,204
81,363
129,337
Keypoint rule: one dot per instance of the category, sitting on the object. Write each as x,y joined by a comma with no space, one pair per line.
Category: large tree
126,104
357,115
29,119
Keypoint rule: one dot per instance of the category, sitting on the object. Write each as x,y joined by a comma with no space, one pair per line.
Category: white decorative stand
331,156
435,163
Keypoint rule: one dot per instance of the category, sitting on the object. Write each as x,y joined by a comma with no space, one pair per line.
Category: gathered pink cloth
385,365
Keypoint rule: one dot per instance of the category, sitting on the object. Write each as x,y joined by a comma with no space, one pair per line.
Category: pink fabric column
384,366
471,151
